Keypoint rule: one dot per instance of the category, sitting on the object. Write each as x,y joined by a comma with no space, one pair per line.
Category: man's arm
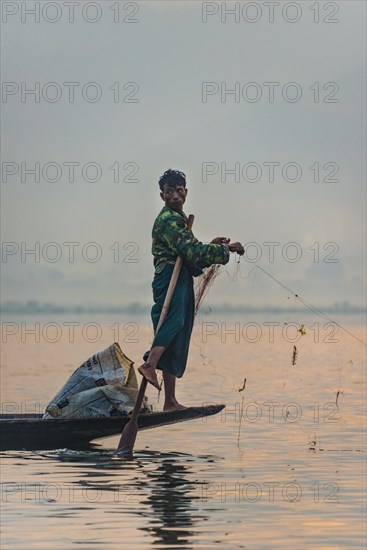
182,242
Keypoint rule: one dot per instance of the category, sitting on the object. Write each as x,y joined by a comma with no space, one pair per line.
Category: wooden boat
31,432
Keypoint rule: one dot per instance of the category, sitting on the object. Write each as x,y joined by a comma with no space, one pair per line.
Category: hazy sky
174,73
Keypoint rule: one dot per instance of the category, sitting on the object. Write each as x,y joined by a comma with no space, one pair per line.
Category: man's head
173,189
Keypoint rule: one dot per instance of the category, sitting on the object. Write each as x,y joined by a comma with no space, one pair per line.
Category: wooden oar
128,437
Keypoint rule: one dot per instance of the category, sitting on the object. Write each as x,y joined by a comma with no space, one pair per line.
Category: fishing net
203,284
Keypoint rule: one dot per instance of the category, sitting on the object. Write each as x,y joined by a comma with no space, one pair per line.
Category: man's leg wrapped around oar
172,341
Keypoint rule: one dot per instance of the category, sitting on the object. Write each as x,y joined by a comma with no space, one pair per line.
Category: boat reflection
159,488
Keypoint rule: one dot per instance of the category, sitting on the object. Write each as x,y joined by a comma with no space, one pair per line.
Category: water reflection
172,501
159,488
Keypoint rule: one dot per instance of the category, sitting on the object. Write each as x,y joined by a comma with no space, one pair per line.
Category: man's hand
237,247
234,247
220,240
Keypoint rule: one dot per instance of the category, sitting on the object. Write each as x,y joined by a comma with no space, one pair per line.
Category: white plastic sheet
104,385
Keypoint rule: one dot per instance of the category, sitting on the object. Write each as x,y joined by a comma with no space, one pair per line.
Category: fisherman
172,238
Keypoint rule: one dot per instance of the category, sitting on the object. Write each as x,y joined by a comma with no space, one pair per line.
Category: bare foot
149,372
173,407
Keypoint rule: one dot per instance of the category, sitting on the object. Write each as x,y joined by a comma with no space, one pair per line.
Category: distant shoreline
35,308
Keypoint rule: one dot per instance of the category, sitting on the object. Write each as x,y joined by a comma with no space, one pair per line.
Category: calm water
281,467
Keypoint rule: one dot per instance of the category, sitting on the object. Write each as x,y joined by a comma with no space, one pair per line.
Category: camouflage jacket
171,238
